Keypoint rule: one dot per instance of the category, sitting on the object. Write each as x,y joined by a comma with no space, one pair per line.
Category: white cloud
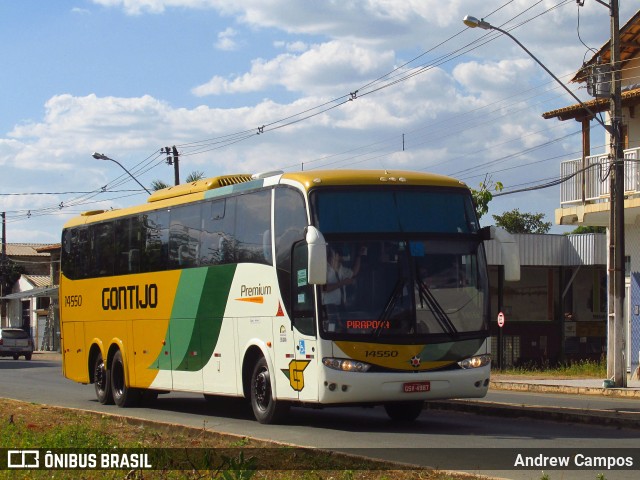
226,40
327,67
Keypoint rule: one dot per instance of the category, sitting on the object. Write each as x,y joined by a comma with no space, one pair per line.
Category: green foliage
578,369
516,222
9,274
484,195
158,185
240,468
192,177
66,436
589,229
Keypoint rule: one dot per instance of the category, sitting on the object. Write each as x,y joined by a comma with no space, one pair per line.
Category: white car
15,342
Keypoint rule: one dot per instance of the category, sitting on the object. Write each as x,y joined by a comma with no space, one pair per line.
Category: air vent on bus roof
198,186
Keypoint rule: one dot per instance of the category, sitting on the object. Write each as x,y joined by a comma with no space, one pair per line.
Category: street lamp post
616,367
101,156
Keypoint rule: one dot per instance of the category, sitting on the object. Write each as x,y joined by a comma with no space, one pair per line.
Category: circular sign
501,319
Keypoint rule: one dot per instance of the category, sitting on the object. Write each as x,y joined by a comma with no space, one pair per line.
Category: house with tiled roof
31,302
585,198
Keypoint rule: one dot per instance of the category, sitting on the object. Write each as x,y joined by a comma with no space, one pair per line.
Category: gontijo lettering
130,297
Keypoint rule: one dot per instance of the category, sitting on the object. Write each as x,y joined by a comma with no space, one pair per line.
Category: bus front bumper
372,387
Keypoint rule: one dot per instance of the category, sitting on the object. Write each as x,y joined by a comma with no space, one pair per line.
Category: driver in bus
339,276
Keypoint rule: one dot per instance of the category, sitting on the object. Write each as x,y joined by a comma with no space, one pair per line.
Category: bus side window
253,219
212,239
154,242
184,236
102,249
290,220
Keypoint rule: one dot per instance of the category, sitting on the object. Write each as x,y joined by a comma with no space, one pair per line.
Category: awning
34,292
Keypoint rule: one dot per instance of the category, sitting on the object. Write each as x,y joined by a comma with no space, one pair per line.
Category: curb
558,414
567,389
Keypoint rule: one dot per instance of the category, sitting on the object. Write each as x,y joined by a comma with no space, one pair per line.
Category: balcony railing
590,183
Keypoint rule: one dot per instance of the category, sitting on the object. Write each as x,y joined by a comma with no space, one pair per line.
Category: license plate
412,387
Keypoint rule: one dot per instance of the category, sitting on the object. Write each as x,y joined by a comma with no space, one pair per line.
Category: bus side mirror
508,250
317,263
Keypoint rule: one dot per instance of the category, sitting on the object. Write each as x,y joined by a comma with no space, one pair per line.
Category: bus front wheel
404,411
101,381
266,409
123,396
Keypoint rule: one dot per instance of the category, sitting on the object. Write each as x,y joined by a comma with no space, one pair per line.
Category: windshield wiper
396,294
438,313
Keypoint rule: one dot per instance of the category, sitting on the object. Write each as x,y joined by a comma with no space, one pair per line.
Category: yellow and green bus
314,288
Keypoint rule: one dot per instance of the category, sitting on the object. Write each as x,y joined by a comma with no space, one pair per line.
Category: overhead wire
220,142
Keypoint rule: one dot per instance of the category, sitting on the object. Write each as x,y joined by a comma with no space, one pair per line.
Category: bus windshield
419,271
392,288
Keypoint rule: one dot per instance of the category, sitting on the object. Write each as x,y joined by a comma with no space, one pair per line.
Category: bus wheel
123,396
266,409
101,381
404,411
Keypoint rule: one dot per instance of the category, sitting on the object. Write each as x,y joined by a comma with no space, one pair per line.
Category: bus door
303,371
74,358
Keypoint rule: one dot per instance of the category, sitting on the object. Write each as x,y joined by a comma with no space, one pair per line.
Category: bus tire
404,411
102,381
123,396
265,408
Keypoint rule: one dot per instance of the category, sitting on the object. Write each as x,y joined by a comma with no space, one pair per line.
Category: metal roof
34,292
554,250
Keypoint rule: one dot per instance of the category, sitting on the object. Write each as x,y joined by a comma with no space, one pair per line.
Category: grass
577,369
206,454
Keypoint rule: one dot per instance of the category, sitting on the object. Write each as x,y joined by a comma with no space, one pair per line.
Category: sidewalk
576,400
575,386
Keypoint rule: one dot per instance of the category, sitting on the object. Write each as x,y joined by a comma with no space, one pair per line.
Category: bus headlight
475,362
345,365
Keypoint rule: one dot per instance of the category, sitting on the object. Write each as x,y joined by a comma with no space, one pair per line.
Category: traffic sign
501,319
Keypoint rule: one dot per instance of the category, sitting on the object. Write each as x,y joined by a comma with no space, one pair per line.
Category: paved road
367,430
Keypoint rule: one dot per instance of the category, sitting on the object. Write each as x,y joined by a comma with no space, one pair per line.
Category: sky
247,86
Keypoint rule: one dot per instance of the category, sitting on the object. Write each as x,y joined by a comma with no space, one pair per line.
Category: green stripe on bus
196,318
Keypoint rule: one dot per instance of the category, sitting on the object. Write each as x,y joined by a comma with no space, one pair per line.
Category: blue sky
127,77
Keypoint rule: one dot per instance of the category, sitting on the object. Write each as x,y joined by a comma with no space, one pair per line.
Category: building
557,311
32,302
584,197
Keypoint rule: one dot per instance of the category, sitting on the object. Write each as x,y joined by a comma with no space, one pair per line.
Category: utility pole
173,158
3,263
616,363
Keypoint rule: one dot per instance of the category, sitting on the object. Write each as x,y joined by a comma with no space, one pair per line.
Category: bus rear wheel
404,411
123,396
266,409
101,381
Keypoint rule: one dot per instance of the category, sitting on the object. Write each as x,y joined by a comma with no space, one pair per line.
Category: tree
589,229
9,274
192,177
483,196
516,222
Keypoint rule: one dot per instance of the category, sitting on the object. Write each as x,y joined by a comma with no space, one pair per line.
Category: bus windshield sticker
417,249
301,298
302,277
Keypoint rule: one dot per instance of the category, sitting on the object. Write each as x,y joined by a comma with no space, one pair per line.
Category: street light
615,366
473,22
101,156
